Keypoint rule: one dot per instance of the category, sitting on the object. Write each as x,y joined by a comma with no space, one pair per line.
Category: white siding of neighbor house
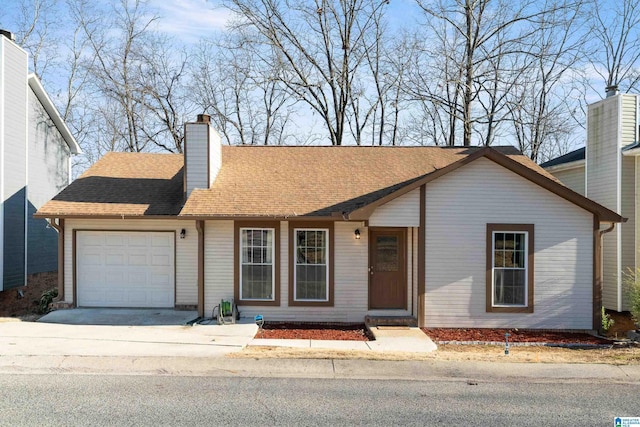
628,229
186,251
48,175
573,178
629,119
458,207
603,185
403,211
13,167
637,207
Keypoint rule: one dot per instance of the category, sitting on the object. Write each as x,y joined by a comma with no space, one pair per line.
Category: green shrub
631,284
46,299
607,321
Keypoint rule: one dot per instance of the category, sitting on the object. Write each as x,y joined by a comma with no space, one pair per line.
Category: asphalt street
38,400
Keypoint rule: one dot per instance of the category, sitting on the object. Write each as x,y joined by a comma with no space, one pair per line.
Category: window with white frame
509,269
257,269
311,272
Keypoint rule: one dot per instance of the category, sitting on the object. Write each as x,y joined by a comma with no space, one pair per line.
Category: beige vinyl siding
573,178
628,229
196,156
350,279
218,263
186,251
403,211
458,207
629,124
637,207
413,271
603,182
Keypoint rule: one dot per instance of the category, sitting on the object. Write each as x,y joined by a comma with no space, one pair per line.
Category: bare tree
238,83
543,102
36,19
616,32
485,34
320,46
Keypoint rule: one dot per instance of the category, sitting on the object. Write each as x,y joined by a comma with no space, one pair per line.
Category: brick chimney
202,154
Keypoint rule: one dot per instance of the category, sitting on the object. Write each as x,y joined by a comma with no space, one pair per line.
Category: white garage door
125,269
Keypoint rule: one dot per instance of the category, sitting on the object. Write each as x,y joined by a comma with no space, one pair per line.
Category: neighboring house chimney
202,154
611,90
612,127
8,34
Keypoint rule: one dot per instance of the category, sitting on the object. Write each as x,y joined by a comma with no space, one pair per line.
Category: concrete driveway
120,317
121,332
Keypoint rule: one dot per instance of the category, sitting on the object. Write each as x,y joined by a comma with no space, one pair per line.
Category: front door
387,269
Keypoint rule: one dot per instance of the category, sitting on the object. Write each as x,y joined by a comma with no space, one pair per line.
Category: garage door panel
161,280
125,269
138,259
90,259
160,260
114,240
162,241
139,239
114,260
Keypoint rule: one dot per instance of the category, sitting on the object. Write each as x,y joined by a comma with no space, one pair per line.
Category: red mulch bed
515,336
358,332
315,331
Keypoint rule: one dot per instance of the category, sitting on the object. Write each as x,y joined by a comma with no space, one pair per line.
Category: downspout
59,227
597,271
200,229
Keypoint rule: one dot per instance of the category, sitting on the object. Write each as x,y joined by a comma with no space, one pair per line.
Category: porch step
374,321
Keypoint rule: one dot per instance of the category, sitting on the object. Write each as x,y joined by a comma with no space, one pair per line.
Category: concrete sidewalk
36,348
431,370
400,339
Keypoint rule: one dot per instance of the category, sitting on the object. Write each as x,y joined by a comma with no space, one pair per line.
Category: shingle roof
257,181
573,156
263,181
131,184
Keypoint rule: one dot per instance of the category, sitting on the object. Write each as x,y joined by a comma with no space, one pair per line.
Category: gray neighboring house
607,170
35,164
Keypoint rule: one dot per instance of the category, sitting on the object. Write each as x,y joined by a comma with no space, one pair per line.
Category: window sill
258,303
510,309
310,303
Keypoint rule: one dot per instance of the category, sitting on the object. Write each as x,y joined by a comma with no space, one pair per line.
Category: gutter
59,227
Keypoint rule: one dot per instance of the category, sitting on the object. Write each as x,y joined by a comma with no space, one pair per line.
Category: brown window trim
529,228
236,261
308,224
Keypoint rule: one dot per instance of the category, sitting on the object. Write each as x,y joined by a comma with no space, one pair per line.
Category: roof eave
45,215
43,97
565,166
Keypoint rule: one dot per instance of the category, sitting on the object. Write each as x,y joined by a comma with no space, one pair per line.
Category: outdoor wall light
183,233
357,234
